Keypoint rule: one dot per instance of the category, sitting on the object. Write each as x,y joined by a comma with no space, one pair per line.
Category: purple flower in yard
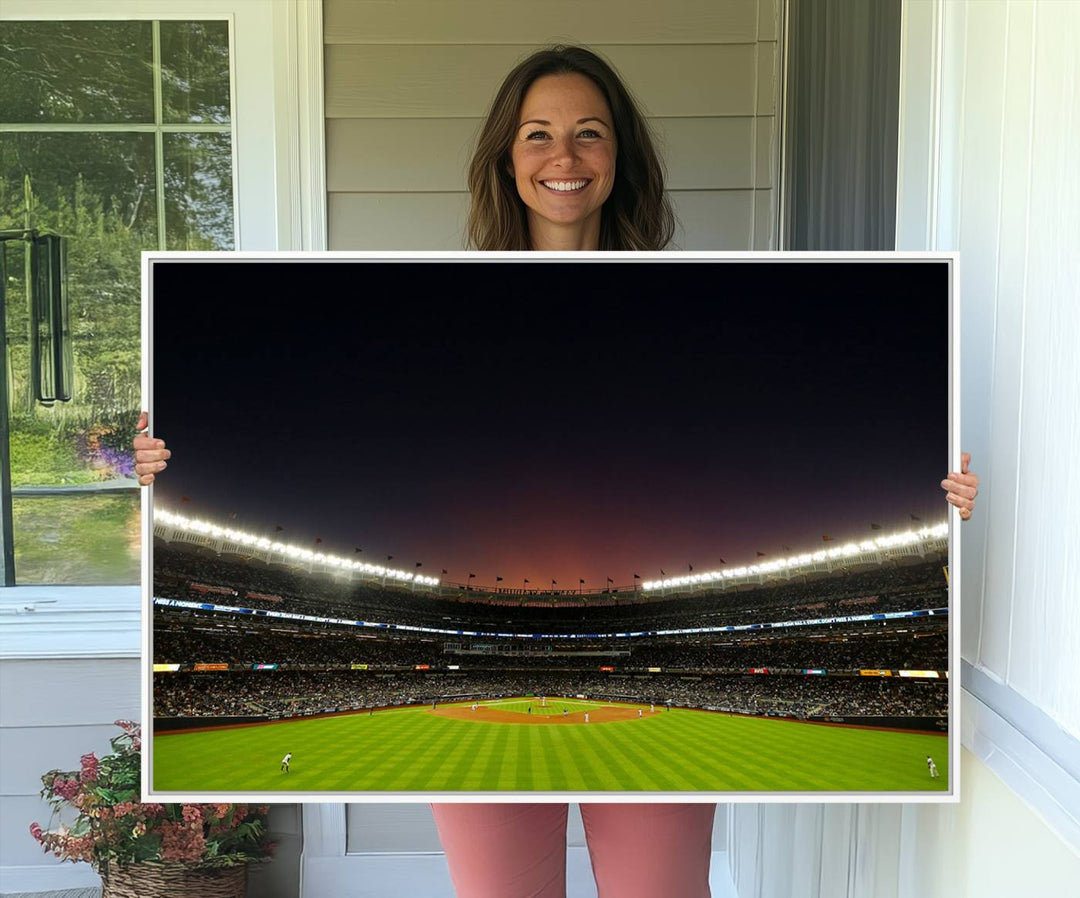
119,463
97,448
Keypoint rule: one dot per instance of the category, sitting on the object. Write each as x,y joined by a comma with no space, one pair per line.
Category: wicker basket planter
174,881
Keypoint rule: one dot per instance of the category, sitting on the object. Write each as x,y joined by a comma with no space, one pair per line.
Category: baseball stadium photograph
438,526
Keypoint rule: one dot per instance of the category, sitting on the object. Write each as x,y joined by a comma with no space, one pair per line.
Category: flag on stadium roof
278,528
418,564
471,576
760,554
358,549
185,498
444,570
874,526
497,579
663,573
389,557
637,576
318,539
609,580
826,537
914,518
526,581
691,567
722,561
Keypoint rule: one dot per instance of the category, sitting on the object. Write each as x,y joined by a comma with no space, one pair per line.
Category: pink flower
181,842
36,831
65,788
192,813
89,768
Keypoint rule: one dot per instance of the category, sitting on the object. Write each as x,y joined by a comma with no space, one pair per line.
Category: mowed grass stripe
396,742
508,768
629,751
466,741
689,746
413,750
419,751
590,768
679,752
655,757
485,774
563,765
603,747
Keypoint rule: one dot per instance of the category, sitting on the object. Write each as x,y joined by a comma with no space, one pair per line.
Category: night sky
557,420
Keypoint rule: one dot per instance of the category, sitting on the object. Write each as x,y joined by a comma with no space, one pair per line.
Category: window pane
77,540
195,71
198,192
98,191
76,72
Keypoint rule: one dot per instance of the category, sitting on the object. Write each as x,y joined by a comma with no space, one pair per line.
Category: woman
565,162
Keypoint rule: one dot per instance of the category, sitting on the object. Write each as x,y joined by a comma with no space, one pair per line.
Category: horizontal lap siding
408,84
379,155
53,712
529,23
460,80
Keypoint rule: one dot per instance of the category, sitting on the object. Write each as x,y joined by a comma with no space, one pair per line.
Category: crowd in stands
314,656
261,693
205,637
183,573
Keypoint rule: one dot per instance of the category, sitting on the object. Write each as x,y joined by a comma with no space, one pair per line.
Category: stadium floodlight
293,553
867,548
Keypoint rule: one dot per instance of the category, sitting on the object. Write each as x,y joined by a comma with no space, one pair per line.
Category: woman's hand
150,453
960,489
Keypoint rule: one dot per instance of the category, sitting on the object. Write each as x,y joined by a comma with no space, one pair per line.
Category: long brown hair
637,214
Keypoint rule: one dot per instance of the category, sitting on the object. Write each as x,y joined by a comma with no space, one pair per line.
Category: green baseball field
553,745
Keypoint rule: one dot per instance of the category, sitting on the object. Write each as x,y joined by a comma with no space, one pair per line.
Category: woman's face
563,154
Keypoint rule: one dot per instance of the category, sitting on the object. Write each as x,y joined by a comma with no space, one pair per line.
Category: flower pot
174,881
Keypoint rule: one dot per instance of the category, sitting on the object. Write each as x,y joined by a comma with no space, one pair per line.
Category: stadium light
847,551
296,553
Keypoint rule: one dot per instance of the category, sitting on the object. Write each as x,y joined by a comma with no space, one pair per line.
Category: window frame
277,128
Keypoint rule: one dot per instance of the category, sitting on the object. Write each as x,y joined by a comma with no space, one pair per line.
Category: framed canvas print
485,527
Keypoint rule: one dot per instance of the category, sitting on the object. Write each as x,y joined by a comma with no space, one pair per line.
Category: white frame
330,822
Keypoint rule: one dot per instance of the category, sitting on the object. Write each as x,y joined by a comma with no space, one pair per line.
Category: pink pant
519,850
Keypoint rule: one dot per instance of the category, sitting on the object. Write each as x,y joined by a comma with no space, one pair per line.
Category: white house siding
408,83
53,711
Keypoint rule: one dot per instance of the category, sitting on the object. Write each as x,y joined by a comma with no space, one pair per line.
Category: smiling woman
565,161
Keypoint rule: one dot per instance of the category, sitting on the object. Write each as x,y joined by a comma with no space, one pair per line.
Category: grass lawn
418,750
77,539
